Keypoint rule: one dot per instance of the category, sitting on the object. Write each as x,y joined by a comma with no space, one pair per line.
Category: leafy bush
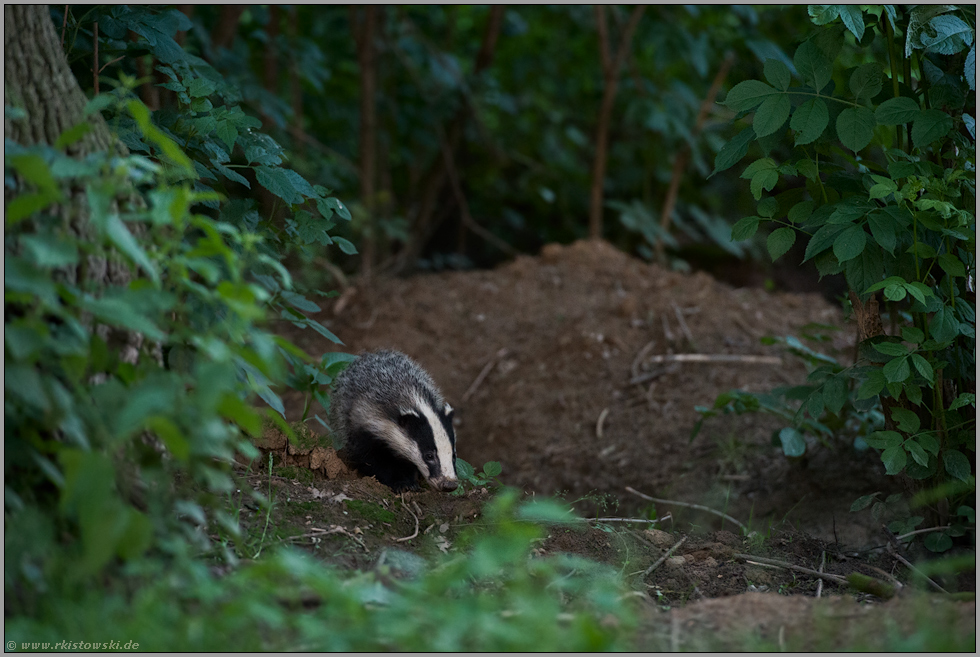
880,180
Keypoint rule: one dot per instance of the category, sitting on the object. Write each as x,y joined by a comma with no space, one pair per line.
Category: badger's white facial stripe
444,448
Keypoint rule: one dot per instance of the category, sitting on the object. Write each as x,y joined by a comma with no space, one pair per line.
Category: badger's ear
448,411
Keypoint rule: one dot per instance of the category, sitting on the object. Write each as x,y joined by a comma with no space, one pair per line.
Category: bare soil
537,358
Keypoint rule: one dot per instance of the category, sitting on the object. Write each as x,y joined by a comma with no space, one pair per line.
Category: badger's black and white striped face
423,435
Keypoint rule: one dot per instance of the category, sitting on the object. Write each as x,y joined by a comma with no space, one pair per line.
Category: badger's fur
393,423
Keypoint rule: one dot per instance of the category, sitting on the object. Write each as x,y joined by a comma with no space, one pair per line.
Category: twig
64,24
915,570
836,579
483,374
635,367
668,334
416,532
656,564
706,358
680,163
690,506
823,560
920,531
636,520
600,421
684,328
95,56
112,62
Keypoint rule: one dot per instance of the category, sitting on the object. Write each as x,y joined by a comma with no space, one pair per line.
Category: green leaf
123,239
957,465
733,151
345,245
896,370
823,239
863,502
228,133
339,208
928,443
26,205
937,541
49,250
943,326
792,440
850,243
883,230
116,311
745,228
906,420
948,35
918,454
780,241
810,120
865,269
771,115
823,14
768,207
812,65
866,81
896,111
872,385
951,265
299,301
72,135
746,95
852,19
884,439
913,334
800,212
464,469
883,187
835,394
891,348
277,181
964,399
492,468
929,126
894,459
856,127
924,368
777,73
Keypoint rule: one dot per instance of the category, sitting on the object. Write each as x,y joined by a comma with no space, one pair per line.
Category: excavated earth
555,367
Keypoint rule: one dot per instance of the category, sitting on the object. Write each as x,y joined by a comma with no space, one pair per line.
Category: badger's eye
429,456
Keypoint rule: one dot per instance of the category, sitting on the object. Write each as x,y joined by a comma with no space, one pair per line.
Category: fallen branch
636,520
667,554
483,374
690,506
920,531
837,579
747,359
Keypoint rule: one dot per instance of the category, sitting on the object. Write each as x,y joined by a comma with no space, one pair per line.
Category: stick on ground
690,506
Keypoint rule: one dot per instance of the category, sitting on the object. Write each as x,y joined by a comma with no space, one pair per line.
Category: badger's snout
444,484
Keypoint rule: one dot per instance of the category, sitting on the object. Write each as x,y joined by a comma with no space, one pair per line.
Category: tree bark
610,75
37,79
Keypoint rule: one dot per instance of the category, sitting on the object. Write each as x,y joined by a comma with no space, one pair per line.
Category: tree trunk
227,27
610,74
37,79
367,142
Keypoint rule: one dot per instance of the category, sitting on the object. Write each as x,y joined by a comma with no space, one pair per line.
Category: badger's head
421,432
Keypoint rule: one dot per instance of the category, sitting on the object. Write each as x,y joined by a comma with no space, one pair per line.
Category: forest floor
537,357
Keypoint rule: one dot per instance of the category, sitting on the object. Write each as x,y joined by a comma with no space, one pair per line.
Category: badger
393,423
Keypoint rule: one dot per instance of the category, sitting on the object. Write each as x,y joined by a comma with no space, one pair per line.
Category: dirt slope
534,353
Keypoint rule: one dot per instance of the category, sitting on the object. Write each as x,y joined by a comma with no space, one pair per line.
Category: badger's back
392,422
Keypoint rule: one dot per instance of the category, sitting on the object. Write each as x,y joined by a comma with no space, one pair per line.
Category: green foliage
468,474
893,211
489,595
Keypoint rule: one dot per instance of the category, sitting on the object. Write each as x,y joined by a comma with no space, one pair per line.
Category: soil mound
537,356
